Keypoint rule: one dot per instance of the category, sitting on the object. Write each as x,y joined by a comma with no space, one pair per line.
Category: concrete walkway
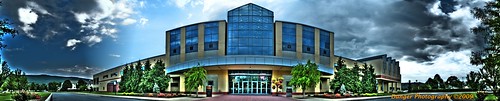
156,98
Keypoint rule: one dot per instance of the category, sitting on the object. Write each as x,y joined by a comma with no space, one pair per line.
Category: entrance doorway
250,82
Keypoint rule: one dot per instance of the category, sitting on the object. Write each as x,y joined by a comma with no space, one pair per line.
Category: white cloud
92,40
454,63
128,21
81,17
190,15
72,42
434,9
143,21
27,17
114,55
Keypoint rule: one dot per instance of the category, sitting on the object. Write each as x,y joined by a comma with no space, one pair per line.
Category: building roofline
372,57
304,25
129,63
343,58
194,24
250,4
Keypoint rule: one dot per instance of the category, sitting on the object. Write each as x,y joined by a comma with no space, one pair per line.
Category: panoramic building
243,53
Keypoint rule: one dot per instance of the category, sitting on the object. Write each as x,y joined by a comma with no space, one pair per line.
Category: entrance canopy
244,60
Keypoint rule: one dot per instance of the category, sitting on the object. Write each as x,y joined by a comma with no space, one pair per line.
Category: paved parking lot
248,98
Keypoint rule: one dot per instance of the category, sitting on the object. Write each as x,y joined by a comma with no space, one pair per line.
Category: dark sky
82,37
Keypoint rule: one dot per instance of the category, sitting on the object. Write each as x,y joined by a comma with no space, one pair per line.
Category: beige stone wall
222,38
298,30
278,39
201,40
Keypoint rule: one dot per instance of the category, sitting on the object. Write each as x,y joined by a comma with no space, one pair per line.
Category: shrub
338,95
491,97
161,95
22,96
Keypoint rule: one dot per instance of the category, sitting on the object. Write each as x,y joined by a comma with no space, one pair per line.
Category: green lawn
5,97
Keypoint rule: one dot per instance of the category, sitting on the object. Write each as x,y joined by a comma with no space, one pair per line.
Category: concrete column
278,39
298,30
222,38
316,45
201,40
183,44
167,49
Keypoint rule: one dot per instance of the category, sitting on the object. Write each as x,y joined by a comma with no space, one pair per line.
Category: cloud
114,55
128,21
92,40
453,63
76,70
72,42
143,21
47,20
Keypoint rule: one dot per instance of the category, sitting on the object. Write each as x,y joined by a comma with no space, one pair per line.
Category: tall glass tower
250,31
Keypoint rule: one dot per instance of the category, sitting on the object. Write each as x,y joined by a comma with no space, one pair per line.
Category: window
308,39
324,42
192,38
114,74
250,31
289,37
105,76
175,42
211,34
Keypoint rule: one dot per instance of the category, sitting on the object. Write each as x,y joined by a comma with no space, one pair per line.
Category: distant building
245,52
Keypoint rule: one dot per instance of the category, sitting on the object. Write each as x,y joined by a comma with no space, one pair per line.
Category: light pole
114,87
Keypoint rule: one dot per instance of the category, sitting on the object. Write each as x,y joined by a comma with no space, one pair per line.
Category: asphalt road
86,97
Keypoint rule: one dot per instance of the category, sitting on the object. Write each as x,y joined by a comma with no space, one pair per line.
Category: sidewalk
341,99
153,98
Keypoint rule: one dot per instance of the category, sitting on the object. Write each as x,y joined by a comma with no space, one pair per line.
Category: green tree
454,82
336,82
440,82
81,85
357,87
369,80
195,77
473,81
147,81
125,79
43,87
66,84
5,72
136,76
432,83
54,86
304,76
161,78
489,56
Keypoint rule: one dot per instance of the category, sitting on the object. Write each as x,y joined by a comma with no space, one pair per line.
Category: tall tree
305,76
335,83
147,80
369,80
489,56
66,85
81,85
474,81
357,87
54,86
432,83
161,78
124,83
454,82
440,82
195,77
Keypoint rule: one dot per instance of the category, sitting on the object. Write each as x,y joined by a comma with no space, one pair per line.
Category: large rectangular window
211,39
250,31
324,42
192,38
289,37
175,42
308,39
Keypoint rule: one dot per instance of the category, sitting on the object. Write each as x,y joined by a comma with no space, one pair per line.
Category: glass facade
289,37
175,42
192,38
211,34
324,43
307,39
249,81
250,31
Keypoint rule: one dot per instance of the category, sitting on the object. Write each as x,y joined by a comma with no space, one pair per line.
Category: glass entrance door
248,83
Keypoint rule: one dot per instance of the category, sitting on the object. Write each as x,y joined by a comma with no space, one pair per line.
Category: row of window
211,38
289,39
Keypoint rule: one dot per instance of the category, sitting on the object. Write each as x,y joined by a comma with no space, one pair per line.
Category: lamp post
114,87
